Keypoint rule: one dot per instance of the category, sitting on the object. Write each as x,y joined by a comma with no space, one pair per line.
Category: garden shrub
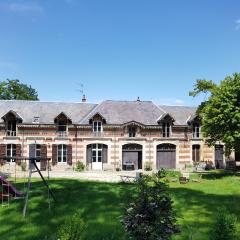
23,166
150,215
79,166
224,227
148,166
72,229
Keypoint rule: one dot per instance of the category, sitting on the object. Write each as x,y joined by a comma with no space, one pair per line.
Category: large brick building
109,135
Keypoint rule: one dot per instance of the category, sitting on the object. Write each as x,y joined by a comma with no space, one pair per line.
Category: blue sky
118,49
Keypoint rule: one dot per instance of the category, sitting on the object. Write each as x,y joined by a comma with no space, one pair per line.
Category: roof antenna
84,99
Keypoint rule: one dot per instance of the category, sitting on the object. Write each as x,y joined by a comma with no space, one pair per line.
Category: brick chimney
84,99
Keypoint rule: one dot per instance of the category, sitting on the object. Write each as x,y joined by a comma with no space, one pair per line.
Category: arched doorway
97,155
166,156
131,156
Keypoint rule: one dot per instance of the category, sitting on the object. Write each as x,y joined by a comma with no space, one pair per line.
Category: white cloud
179,102
237,26
24,8
170,101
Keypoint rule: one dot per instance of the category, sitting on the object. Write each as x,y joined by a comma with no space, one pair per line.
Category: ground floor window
62,153
97,153
38,152
11,152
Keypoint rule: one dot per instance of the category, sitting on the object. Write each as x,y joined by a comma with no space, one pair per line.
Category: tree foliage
15,90
150,215
220,114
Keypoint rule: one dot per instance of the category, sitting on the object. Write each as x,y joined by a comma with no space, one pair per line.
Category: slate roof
114,112
181,114
47,111
119,112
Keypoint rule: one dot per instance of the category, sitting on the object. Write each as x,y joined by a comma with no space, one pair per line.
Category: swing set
8,189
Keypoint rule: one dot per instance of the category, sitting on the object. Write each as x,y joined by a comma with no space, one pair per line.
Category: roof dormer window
11,119
166,120
196,130
62,122
166,129
97,126
132,130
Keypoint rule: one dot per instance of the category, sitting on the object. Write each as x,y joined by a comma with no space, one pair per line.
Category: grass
102,204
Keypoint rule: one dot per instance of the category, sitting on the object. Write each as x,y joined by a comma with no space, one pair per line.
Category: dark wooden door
166,156
219,156
196,153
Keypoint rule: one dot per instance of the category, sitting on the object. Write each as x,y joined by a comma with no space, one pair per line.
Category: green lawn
102,204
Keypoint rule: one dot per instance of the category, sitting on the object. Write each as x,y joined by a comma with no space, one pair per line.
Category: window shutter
32,148
54,154
18,153
69,154
105,153
89,154
32,153
43,162
2,153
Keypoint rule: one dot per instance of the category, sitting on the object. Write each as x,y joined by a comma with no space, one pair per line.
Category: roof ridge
39,101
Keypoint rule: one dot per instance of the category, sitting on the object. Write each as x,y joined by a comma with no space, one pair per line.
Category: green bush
148,166
224,227
79,166
23,166
150,215
72,229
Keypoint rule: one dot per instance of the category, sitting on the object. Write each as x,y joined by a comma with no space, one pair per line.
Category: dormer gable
62,117
97,117
12,115
165,118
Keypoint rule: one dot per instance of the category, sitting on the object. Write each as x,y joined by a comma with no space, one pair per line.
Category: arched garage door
166,156
132,156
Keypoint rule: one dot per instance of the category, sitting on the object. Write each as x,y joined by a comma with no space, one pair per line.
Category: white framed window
11,128
11,152
166,129
62,153
132,131
97,153
97,126
196,130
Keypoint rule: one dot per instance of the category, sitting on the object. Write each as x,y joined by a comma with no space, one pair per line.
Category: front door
97,157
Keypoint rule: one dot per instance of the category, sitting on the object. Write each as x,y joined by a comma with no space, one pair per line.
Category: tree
220,114
15,90
150,215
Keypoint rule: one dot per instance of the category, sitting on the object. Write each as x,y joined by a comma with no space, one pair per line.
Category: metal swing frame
32,169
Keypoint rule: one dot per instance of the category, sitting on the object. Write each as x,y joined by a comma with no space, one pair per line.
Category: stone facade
100,141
